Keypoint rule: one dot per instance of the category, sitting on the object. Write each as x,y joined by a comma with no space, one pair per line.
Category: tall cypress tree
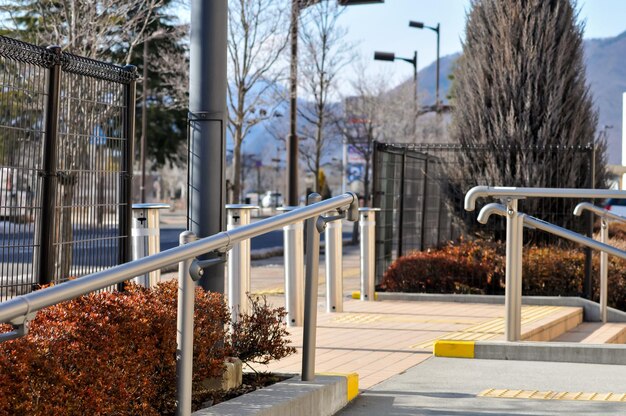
521,86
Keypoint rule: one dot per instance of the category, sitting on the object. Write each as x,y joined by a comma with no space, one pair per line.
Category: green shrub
115,353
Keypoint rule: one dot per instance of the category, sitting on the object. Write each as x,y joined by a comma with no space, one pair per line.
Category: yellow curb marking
490,329
357,295
352,383
552,395
454,349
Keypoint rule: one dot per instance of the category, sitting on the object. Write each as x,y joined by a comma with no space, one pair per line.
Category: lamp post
292,139
420,25
388,56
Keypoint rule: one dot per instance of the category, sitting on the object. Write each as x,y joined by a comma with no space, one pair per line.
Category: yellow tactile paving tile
492,328
552,395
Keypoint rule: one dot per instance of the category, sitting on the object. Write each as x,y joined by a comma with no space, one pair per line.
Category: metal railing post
126,177
238,263
513,286
604,269
293,236
184,332
367,225
310,294
334,270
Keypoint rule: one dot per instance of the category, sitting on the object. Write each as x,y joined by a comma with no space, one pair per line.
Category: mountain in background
606,75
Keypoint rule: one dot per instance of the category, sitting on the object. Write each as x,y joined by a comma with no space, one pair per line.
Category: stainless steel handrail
19,310
20,306
517,193
605,216
600,212
513,315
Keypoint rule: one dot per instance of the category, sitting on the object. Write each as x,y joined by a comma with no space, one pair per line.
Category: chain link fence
66,148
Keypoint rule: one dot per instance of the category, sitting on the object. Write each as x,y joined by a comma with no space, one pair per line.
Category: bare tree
363,119
257,37
324,54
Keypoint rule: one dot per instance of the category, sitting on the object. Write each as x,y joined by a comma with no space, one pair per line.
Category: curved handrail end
490,209
473,194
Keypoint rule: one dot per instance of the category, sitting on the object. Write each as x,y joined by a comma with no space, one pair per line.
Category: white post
367,228
334,269
604,269
294,270
238,263
146,238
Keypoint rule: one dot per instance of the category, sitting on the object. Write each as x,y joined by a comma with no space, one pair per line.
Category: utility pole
207,127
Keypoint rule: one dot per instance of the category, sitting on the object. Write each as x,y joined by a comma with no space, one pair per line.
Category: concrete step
595,333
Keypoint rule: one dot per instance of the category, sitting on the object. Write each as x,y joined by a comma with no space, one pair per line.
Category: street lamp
388,56
292,140
420,25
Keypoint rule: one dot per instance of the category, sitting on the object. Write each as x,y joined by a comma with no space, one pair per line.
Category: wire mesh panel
23,80
422,190
92,144
66,127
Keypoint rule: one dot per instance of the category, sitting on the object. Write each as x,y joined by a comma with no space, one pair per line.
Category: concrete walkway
379,340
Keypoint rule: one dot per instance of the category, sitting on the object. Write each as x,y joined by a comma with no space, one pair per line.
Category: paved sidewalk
448,386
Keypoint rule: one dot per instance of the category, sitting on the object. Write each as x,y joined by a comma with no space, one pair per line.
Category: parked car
616,206
272,200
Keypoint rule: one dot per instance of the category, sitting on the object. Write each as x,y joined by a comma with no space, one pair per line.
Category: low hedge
478,267
115,353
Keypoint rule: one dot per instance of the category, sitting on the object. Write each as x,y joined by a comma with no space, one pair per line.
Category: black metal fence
66,149
420,190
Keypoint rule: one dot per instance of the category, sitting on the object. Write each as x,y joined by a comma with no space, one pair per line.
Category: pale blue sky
384,27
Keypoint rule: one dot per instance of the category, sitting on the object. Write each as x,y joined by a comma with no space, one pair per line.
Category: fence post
45,260
310,294
238,263
126,191
424,205
184,332
401,209
334,270
604,269
513,288
293,236
367,223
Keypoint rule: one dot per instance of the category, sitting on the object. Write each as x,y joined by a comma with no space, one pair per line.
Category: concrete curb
325,396
532,351
591,309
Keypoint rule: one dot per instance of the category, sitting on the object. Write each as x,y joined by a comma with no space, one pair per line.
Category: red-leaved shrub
108,353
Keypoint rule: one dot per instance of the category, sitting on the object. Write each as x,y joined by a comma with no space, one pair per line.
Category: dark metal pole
126,180
424,204
437,103
415,85
588,283
45,260
207,123
401,210
292,142
144,122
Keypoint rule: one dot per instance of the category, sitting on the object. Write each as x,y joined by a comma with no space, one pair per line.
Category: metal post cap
151,206
241,206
